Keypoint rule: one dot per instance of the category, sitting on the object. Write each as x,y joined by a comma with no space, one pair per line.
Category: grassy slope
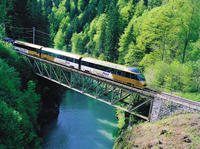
178,131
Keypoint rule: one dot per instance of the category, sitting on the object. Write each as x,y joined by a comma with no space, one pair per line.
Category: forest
161,37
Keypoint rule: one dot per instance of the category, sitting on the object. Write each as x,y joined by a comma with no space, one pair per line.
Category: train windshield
141,77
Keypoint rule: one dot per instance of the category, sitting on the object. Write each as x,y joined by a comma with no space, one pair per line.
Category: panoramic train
120,73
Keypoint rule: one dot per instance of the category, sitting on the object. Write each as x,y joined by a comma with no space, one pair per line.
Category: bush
174,76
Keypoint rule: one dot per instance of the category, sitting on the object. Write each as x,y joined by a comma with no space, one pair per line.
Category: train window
57,56
117,72
123,73
104,68
127,75
134,76
76,61
44,52
100,67
94,65
63,57
84,63
69,59
21,46
91,65
48,53
113,71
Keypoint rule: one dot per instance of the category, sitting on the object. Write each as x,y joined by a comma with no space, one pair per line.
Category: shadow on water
82,123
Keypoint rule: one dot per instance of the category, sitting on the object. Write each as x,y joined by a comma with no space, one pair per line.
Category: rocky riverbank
178,131
51,96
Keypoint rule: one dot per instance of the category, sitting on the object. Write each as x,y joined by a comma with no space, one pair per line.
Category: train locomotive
120,73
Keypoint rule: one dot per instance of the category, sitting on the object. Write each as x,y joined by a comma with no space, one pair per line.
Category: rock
163,132
187,139
193,124
135,146
150,145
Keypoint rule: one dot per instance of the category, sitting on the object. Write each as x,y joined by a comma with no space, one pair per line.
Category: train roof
29,44
61,52
112,65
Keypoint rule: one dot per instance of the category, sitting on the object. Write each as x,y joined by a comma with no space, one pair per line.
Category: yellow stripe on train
128,80
44,56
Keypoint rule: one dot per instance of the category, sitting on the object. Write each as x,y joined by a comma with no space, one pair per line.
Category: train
127,75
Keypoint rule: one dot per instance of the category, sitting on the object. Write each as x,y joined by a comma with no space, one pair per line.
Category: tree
189,22
56,17
111,33
133,56
99,37
124,42
77,43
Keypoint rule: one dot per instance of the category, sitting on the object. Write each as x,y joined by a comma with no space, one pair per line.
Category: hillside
178,131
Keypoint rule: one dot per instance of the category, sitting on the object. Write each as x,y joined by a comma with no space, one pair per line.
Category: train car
61,57
27,48
129,75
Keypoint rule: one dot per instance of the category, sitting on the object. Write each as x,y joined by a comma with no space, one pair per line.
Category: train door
79,63
40,51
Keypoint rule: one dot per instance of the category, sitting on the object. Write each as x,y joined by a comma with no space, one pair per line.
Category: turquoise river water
83,123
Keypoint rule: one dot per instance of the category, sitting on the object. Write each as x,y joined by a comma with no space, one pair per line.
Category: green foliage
175,76
59,40
99,37
18,109
124,42
140,8
56,17
194,51
111,33
77,43
133,56
121,118
154,3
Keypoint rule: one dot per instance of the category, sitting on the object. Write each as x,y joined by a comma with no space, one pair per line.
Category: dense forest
159,36
19,103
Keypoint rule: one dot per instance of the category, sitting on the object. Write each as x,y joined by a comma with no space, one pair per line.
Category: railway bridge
147,103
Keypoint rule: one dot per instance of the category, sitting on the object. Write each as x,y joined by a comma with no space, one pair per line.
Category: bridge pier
162,108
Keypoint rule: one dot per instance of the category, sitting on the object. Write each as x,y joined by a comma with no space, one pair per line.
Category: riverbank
51,95
177,131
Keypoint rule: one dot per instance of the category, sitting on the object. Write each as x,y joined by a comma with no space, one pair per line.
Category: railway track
175,98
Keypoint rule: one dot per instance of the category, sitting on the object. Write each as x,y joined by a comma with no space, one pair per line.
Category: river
82,123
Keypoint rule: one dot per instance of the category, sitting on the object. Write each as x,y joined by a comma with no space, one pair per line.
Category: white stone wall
162,108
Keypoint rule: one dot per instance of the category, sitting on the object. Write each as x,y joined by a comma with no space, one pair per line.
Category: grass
192,96
177,131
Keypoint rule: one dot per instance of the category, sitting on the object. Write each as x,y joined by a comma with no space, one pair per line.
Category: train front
140,76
